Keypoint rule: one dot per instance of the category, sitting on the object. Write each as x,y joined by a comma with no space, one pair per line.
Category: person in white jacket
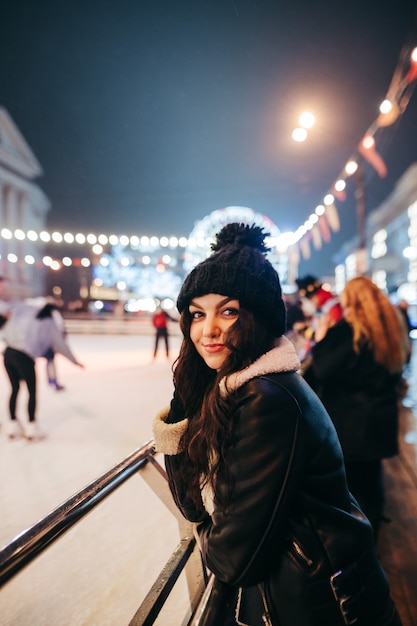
28,334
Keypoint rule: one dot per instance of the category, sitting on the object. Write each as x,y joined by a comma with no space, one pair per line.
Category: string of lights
394,105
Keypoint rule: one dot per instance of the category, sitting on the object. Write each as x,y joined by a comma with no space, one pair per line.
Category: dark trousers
161,333
19,366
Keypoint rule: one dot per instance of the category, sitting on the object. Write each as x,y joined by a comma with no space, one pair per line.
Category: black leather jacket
291,523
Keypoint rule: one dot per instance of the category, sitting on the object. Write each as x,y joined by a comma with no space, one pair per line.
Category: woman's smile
214,347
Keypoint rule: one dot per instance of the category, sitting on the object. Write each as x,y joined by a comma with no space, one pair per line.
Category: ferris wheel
204,231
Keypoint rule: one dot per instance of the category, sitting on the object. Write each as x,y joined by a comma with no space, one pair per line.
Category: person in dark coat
356,370
253,459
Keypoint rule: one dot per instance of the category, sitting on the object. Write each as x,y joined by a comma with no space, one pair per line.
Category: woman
253,458
356,370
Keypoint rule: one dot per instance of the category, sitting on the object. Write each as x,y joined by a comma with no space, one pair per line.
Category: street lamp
305,121
353,167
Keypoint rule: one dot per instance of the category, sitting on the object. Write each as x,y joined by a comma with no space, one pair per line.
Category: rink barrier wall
111,325
33,541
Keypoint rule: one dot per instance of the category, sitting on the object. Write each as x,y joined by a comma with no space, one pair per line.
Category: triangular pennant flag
294,255
340,195
333,217
316,237
305,248
412,72
324,228
366,148
388,118
293,263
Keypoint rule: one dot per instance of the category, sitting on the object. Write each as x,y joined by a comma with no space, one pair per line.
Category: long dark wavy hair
210,415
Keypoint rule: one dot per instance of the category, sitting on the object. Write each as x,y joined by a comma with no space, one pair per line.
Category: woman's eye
230,312
195,315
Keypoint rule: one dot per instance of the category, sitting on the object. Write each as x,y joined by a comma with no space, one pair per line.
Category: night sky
146,115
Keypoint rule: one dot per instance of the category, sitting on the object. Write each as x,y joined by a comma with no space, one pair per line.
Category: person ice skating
160,323
28,334
253,459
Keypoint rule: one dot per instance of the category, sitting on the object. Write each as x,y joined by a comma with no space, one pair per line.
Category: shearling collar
282,358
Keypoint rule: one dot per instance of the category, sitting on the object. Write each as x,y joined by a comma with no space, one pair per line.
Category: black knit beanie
239,268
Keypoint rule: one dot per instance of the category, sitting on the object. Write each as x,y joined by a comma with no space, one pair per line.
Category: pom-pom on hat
239,268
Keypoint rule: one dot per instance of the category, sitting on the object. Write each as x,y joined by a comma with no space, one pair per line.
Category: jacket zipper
301,553
266,617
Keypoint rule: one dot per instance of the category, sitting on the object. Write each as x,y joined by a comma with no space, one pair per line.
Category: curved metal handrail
32,541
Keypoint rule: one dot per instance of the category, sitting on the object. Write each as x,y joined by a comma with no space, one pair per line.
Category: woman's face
211,316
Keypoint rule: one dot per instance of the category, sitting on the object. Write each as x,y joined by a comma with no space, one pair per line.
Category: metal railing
30,543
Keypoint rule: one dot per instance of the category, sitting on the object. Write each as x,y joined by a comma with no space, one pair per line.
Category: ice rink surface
99,572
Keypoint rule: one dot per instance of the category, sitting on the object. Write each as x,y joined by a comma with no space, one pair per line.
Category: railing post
194,570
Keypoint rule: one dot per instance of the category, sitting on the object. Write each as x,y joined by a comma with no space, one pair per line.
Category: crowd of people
30,331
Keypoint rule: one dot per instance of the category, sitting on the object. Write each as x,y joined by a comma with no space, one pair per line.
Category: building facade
391,242
23,209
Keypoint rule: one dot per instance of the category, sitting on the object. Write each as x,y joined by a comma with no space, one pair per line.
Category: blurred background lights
351,167
307,119
299,134
386,106
340,185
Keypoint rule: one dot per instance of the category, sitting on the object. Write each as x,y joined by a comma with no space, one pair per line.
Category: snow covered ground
99,572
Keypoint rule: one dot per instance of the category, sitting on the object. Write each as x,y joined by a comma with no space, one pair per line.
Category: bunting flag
316,237
386,119
333,217
305,248
412,72
324,228
366,148
293,257
340,195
